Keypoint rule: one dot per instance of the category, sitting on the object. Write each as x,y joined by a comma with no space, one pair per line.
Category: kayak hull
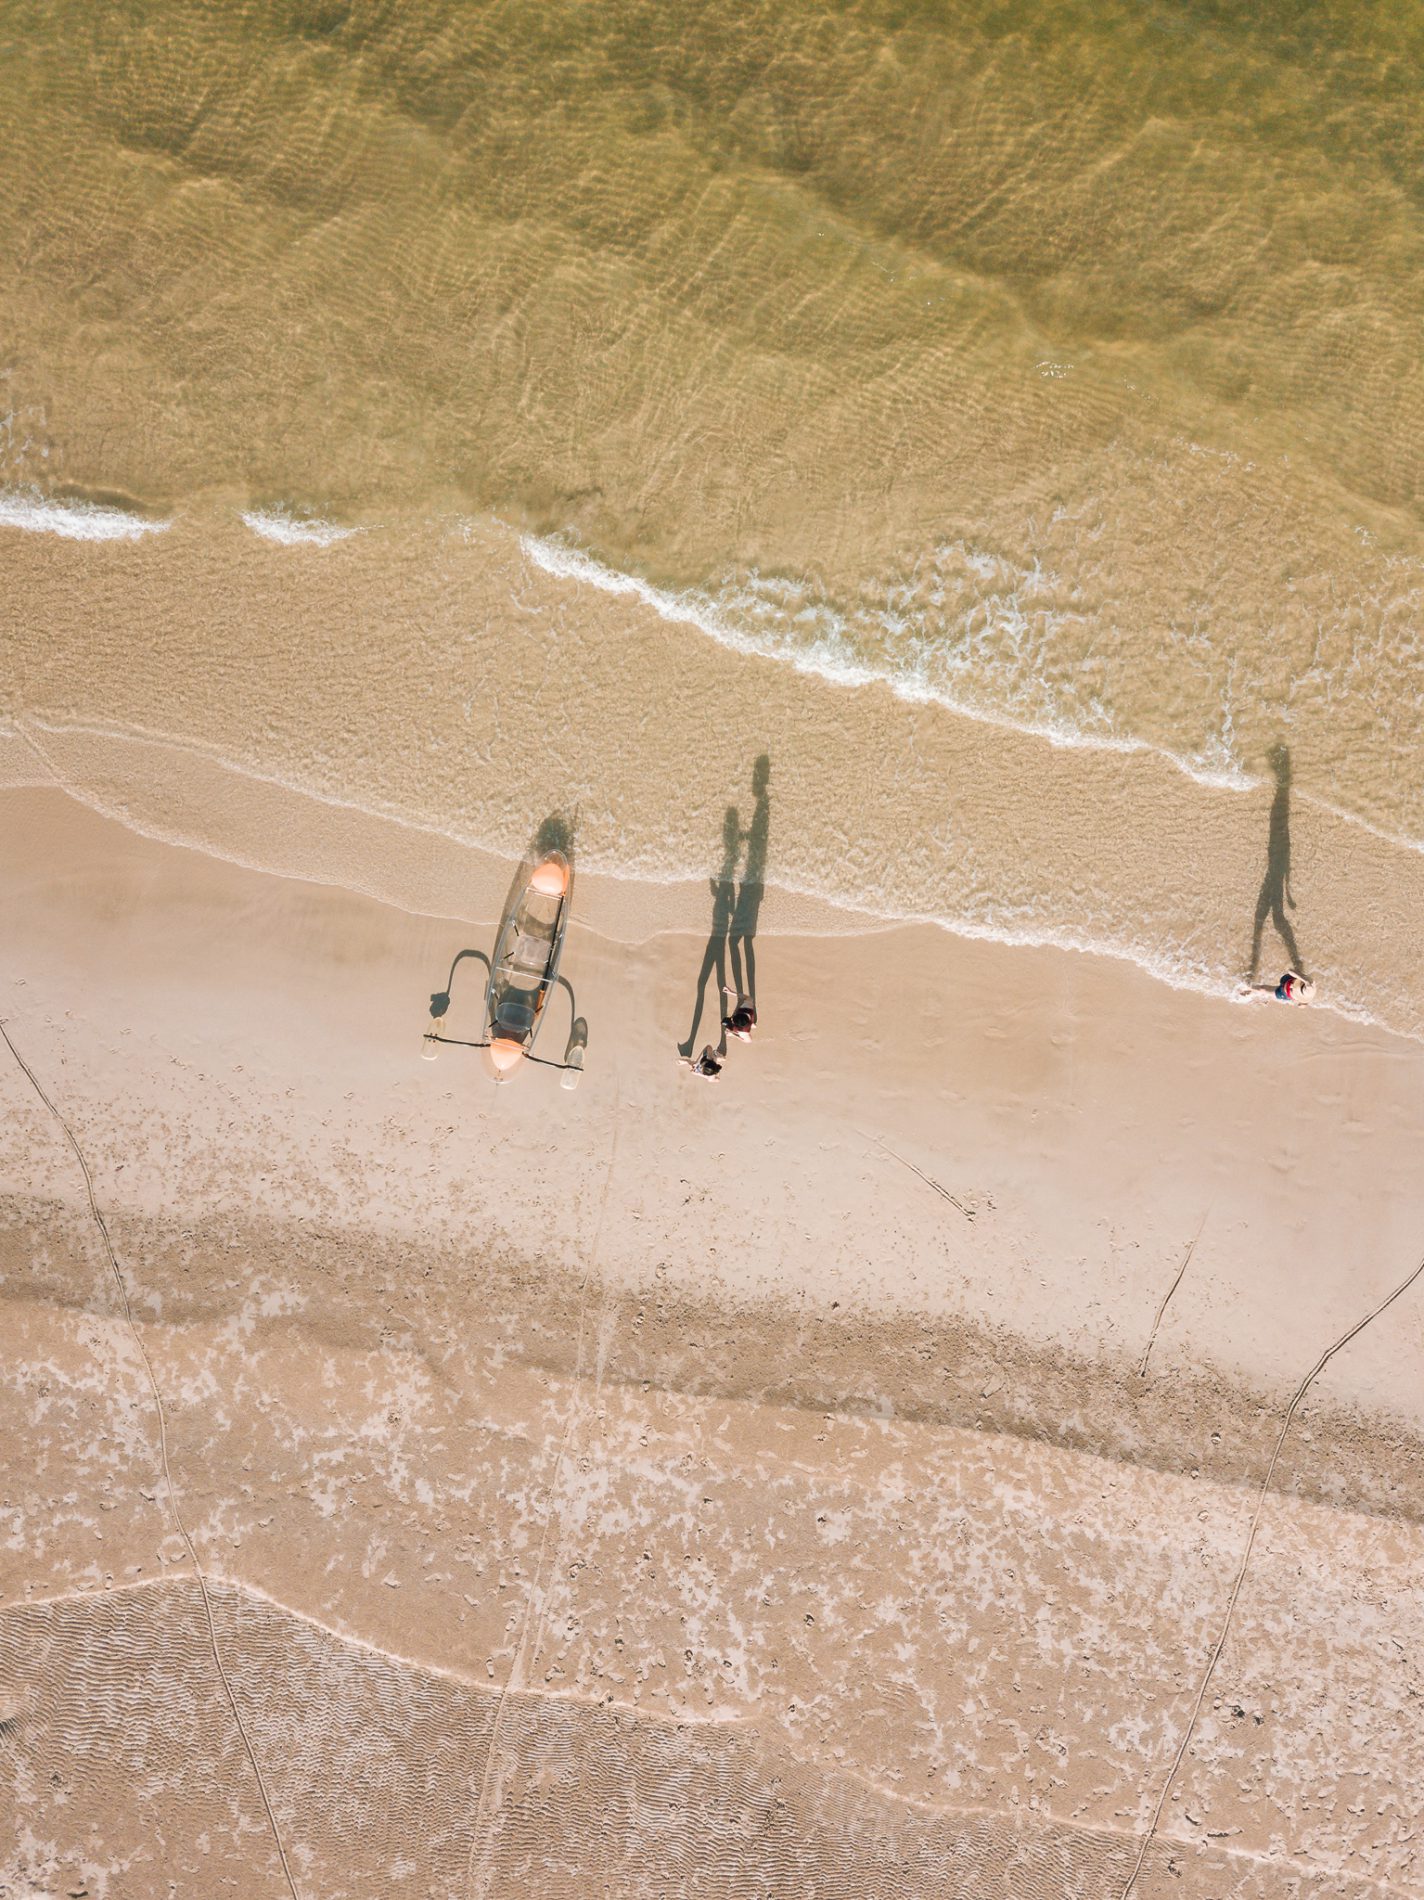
525,965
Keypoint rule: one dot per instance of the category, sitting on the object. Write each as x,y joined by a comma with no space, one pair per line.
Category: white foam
826,656
818,657
292,530
28,509
1179,972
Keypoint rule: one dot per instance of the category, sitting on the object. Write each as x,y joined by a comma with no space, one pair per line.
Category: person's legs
1263,911
747,984
714,957
1287,934
734,945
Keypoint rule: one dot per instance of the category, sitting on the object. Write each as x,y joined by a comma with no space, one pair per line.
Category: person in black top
709,1063
742,1021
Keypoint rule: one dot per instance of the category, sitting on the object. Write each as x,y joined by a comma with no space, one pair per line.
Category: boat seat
530,953
517,1018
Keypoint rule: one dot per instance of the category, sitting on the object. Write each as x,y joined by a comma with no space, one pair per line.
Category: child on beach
709,1063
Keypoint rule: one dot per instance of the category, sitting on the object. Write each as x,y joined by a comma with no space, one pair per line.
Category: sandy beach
923,505
681,1487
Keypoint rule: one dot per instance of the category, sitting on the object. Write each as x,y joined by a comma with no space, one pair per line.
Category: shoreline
630,907
567,561
467,673
570,561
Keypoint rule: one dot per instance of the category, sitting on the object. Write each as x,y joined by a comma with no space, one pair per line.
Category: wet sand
684,1487
380,713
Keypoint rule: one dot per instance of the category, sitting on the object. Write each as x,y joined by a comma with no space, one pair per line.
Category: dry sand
672,1488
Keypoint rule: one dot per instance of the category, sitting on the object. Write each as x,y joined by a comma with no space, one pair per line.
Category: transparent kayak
525,964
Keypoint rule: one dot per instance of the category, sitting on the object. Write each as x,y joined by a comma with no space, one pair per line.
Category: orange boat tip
504,1054
551,879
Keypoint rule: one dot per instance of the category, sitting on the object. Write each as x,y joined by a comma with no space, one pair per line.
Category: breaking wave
36,513
292,530
933,638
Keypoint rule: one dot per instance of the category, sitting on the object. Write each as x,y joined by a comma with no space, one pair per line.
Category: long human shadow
747,913
1275,893
724,902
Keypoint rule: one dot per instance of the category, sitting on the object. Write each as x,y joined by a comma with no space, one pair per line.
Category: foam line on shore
34,513
1197,978
824,659
291,530
566,562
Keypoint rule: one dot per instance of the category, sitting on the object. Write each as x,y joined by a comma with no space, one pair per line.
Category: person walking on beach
724,900
746,914
1292,988
1275,893
742,1020
709,1063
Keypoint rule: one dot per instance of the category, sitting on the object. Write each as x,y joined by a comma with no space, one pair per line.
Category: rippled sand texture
1062,360
622,1640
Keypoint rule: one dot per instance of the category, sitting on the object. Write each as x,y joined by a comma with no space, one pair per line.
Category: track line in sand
415,1665
169,1490
1166,1297
928,1179
534,1603
1220,1644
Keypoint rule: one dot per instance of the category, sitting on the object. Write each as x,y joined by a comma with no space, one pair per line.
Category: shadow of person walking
747,913
724,900
1275,895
